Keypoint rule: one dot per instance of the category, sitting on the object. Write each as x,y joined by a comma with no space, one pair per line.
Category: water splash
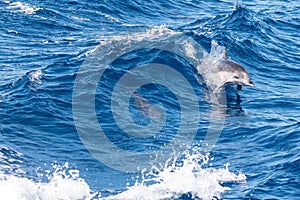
63,183
208,69
22,7
35,79
189,178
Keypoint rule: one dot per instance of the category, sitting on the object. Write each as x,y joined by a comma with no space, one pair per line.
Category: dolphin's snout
251,83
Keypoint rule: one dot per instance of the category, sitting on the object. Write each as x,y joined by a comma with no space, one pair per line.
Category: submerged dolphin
145,106
231,73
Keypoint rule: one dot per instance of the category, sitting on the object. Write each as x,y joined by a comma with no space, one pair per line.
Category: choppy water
44,44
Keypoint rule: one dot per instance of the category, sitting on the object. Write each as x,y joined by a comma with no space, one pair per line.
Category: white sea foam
172,181
80,18
22,7
156,32
35,76
35,79
62,185
208,67
112,18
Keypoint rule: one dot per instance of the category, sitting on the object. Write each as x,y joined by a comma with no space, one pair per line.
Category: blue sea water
43,45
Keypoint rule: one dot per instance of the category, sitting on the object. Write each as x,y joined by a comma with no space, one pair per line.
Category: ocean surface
51,148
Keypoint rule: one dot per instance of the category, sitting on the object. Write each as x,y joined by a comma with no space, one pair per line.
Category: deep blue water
43,44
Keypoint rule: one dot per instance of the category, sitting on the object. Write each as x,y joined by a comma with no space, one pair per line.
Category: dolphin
229,72
145,106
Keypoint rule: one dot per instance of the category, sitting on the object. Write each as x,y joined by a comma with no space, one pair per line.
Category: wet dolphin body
231,73
145,106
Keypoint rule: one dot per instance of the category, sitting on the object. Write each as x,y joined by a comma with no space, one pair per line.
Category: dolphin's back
230,66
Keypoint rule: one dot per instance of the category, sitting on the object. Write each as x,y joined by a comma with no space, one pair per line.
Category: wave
188,180
21,7
62,184
43,45
162,181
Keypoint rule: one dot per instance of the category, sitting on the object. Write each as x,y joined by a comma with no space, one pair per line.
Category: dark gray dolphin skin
232,73
145,106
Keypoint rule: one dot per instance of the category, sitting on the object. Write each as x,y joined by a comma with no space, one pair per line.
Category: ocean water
84,114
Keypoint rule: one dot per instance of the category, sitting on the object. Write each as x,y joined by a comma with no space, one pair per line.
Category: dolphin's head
233,73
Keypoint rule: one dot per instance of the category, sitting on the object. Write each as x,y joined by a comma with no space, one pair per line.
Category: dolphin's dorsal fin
224,54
